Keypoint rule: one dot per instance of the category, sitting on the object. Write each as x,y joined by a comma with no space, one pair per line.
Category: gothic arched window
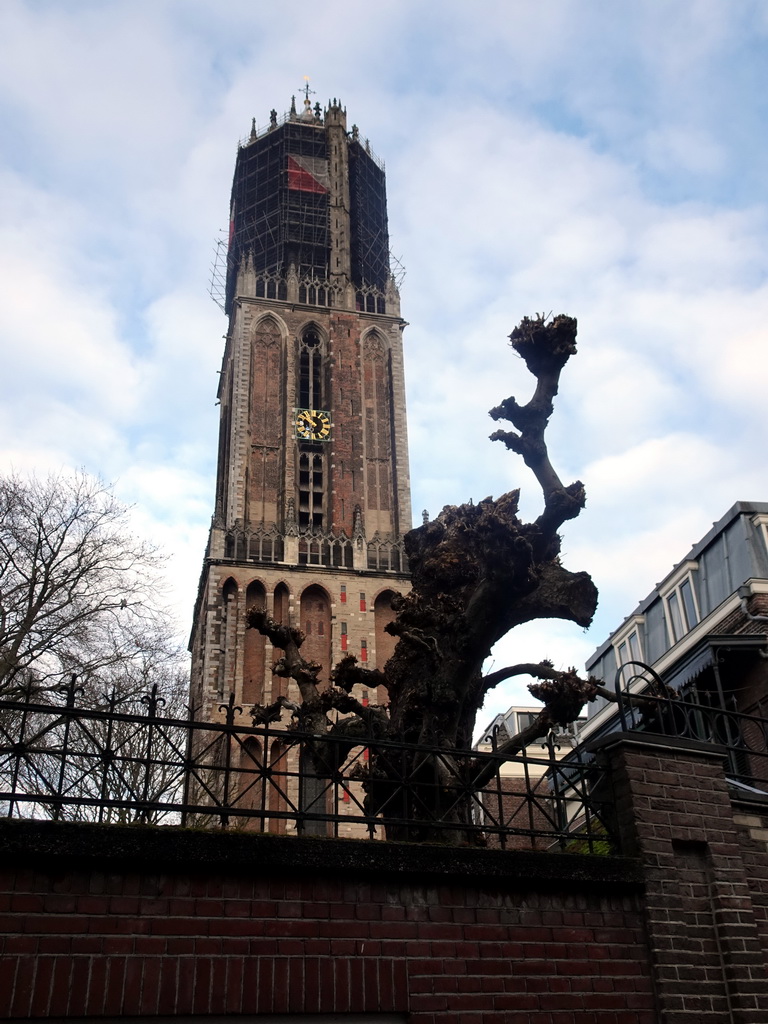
255,646
315,620
227,637
311,360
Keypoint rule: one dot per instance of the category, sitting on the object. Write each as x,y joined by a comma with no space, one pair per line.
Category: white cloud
562,643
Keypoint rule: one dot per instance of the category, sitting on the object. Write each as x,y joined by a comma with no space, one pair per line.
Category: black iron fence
710,716
64,756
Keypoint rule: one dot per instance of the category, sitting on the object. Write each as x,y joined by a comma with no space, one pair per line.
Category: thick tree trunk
477,572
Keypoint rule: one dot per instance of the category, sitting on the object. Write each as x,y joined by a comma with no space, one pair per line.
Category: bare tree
111,750
78,592
85,646
477,571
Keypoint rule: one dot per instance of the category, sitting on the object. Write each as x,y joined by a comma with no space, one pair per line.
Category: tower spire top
306,114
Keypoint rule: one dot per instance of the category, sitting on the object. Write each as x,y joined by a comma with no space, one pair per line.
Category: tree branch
348,674
527,668
546,347
273,712
292,665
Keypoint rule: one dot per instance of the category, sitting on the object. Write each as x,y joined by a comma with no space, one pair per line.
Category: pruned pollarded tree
477,572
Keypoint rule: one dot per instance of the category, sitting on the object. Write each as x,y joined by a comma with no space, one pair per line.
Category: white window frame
628,642
528,712
760,521
676,608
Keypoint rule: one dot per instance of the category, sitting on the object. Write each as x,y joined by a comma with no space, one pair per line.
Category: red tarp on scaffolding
301,180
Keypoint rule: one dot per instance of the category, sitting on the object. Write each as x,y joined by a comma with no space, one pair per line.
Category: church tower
312,489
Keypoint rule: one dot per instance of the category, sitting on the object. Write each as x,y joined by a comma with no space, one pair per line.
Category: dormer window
681,609
627,643
629,649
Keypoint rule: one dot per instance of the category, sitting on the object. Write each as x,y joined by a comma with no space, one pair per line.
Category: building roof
718,530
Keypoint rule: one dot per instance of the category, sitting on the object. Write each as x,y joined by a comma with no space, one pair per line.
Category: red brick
202,991
124,905
218,998
292,928
208,947
342,985
134,977
78,994
166,989
386,984
371,983
42,987
62,970
265,986
209,908
280,985
178,947
20,944
113,1006
149,945
400,986
249,988
360,999
24,903
327,985
93,906
297,986
233,986
117,944
96,987
19,991
425,1003
181,907
311,985
185,986
61,924
150,989
487,967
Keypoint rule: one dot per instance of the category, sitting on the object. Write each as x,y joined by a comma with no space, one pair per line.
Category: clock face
312,425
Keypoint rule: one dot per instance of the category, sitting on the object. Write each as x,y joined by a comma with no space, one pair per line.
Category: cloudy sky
606,160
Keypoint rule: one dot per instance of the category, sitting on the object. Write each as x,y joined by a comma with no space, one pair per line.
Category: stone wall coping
658,741
48,844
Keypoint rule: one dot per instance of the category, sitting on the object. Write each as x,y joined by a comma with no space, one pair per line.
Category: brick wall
132,921
751,820
674,812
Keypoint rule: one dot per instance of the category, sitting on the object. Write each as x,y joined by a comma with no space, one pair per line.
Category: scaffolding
368,219
217,286
279,224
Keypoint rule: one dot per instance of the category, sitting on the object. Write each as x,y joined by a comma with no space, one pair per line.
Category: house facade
703,628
